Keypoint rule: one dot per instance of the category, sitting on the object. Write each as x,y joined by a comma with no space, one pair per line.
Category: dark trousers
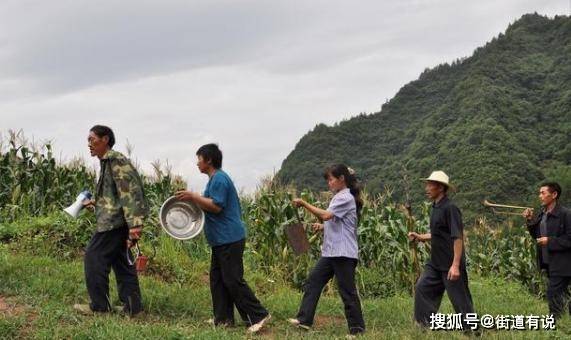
108,250
558,295
343,269
430,288
228,287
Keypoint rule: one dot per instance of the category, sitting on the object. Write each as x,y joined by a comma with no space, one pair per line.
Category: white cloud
253,76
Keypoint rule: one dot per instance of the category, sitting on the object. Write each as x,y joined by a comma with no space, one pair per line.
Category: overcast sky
253,76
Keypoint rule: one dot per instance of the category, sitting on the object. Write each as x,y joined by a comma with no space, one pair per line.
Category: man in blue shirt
225,233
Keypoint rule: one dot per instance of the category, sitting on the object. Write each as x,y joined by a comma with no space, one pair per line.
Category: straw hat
440,177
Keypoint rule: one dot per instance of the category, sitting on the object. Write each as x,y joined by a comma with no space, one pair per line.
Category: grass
40,291
41,274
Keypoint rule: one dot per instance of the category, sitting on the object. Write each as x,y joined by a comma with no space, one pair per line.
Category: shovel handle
297,215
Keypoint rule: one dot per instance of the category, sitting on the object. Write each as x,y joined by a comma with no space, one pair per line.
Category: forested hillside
498,122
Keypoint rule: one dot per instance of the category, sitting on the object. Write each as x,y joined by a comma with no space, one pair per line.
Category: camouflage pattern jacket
119,198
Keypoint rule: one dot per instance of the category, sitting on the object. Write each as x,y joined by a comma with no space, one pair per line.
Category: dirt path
3,305
9,308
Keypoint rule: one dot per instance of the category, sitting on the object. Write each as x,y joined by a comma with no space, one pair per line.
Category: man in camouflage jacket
120,209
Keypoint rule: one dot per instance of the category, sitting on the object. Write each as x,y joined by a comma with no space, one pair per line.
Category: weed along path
37,294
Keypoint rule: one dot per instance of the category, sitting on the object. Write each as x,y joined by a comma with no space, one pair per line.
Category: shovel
296,236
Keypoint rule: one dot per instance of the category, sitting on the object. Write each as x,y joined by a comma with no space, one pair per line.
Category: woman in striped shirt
339,252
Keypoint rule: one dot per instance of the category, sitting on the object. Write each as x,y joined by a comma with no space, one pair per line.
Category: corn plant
33,185
507,251
266,215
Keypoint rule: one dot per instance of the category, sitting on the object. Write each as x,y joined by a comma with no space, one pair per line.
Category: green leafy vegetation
389,266
498,122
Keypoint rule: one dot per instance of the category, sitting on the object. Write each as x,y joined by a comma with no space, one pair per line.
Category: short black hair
102,131
211,153
553,187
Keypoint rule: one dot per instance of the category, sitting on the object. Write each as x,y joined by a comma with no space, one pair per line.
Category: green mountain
498,122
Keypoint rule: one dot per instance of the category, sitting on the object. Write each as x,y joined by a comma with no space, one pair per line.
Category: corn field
34,187
32,183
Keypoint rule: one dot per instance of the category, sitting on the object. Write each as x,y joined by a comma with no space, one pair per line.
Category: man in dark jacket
552,230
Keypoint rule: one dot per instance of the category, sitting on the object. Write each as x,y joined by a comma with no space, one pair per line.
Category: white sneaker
211,322
83,309
296,323
255,328
293,322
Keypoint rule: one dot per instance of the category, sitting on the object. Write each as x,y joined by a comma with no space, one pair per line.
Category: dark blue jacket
559,240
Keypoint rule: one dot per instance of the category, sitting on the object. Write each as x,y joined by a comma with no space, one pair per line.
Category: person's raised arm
321,214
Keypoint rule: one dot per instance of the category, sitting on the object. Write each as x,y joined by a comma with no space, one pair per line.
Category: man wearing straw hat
446,268
552,229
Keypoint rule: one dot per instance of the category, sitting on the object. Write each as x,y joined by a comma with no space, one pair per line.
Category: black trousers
228,287
108,250
430,288
558,295
343,268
